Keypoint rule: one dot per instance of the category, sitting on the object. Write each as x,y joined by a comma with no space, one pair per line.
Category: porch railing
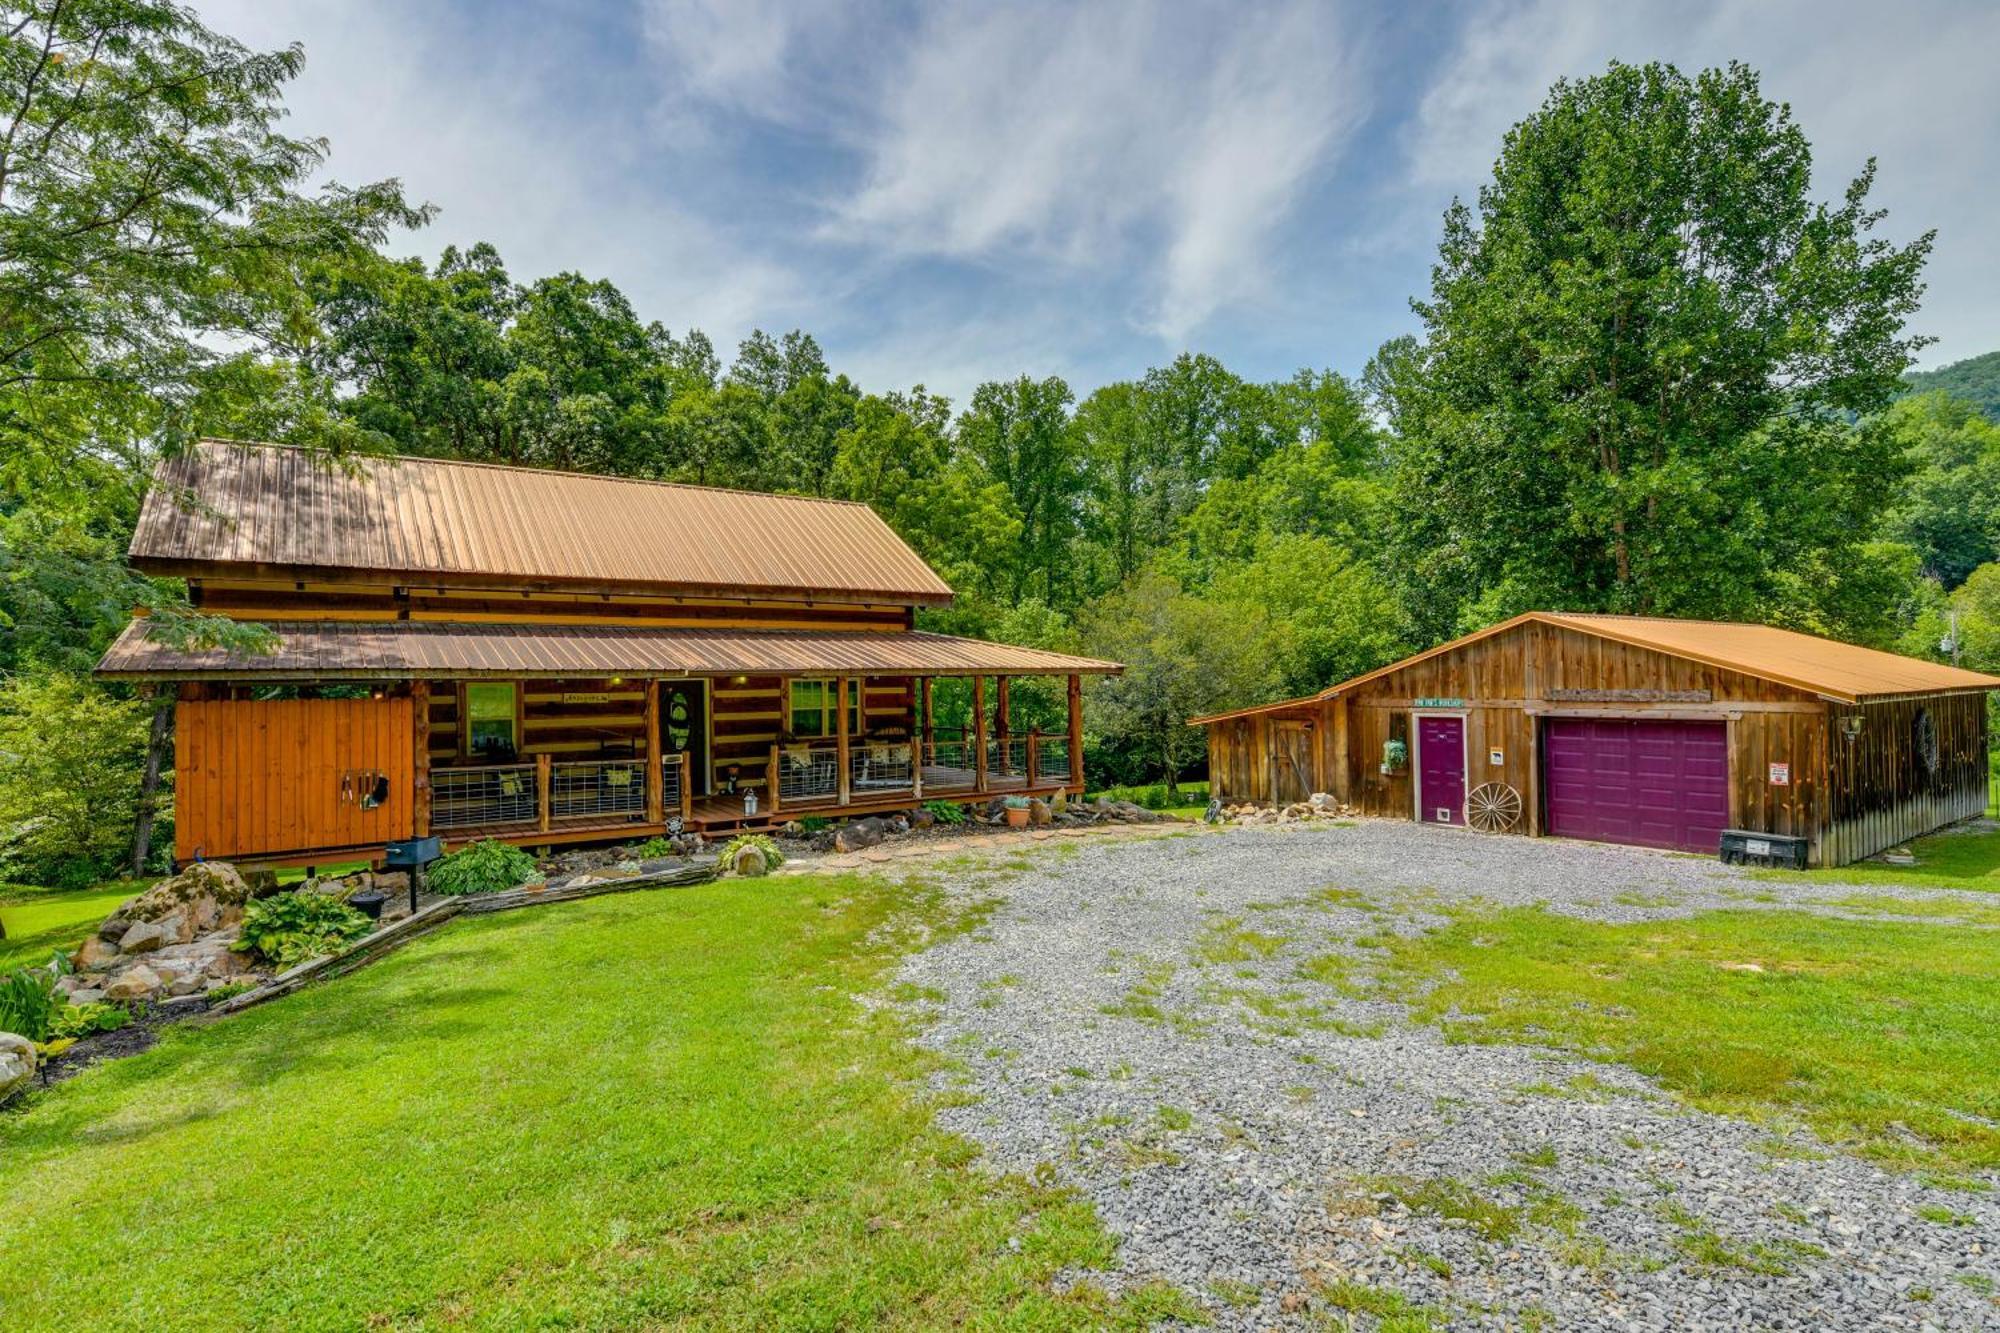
1049,757
878,767
1007,759
673,770
598,789
808,771
949,765
478,797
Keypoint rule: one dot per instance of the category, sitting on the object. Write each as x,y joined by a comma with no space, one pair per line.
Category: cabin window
490,722
812,707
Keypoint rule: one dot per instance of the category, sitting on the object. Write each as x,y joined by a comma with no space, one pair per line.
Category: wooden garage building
467,650
1655,732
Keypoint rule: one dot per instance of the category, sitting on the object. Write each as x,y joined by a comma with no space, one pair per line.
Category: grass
41,921
1884,1036
1944,861
649,1110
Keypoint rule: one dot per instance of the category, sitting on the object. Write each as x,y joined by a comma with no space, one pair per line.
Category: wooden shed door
1441,770
1652,784
1291,760
265,778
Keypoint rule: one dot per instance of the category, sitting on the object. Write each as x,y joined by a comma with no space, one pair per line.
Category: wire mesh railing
879,766
950,766
479,797
1007,761
1052,758
673,774
808,771
610,789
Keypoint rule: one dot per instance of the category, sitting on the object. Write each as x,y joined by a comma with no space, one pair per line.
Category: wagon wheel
1493,807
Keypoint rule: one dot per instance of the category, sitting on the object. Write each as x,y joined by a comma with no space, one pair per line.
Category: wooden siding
272,600
1881,791
1849,799
263,777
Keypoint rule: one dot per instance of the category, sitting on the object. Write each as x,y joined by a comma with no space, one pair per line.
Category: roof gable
277,508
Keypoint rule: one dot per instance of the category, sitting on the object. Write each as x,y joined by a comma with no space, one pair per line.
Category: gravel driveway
1246,1158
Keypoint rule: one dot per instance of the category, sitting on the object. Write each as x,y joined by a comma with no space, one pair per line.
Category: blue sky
949,193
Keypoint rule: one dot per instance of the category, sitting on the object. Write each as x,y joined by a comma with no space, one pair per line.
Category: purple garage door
1652,784
1441,770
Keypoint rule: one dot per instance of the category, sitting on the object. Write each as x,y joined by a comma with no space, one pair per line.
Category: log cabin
1630,729
470,650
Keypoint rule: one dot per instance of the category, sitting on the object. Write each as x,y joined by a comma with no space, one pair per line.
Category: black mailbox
1740,847
412,854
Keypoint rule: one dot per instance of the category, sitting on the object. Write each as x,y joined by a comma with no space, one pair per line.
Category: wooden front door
1441,770
265,778
1291,761
684,727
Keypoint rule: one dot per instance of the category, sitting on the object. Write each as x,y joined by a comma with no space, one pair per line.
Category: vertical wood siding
1848,799
1881,790
262,777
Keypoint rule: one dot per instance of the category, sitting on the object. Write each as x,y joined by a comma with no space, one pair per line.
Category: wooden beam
979,733
656,787
1076,733
771,780
840,733
420,728
929,722
543,770
1004,711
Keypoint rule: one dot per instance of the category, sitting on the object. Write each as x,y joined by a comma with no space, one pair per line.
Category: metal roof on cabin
1841,671
403,650
281,507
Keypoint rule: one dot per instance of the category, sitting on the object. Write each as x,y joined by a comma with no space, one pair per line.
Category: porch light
1850,726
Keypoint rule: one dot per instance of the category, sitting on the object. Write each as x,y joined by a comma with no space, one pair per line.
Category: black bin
1740,847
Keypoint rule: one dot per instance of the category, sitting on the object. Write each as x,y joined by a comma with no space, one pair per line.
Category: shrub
482,867
286,929
228,990
80,1020
947,812
28,1000
652,848
70,755
814,823
773,858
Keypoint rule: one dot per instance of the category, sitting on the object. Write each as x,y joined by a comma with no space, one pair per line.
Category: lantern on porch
749,801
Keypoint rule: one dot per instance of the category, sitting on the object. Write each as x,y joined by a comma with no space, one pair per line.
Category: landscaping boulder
1038,811
17,1063
137,982
95,953
144,937
922,819
114,928
860,834
205,895
83,995
750,862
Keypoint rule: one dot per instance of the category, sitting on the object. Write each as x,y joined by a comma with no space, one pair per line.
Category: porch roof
405,650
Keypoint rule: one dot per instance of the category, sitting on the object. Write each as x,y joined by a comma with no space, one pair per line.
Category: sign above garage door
1629,696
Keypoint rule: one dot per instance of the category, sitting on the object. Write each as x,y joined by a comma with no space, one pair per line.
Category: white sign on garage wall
1781,775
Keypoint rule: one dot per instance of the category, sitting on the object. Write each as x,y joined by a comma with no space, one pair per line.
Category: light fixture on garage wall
1850,726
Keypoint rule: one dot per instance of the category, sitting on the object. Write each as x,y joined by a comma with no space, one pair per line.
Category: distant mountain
1977,380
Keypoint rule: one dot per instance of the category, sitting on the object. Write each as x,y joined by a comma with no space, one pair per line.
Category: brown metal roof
404,650
283,510
1845,672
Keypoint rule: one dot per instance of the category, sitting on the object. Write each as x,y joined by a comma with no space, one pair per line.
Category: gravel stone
1251,1136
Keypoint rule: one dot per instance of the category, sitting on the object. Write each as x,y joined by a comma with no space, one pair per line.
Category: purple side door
1441,770
1652,784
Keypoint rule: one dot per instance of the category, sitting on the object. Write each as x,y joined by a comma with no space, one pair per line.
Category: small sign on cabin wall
1496,757
1781,775
1440,703
575,698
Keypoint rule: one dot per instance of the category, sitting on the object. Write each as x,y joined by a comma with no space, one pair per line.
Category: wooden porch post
687,793
420,728
1076,733
1003,714
771,779
979,733
929,722
656,787
543,770
1034,755
840,734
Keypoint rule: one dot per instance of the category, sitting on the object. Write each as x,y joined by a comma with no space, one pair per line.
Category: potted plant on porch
1017,811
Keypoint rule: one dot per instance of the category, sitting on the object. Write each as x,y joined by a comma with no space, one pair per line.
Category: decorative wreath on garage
1493,807
1924,741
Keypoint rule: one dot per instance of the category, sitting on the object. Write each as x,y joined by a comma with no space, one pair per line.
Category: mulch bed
136,1036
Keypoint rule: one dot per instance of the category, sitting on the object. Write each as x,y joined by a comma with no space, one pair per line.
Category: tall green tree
1951,515
1018,433
1642,352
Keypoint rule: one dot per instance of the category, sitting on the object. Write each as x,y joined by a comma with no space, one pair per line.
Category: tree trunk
149,783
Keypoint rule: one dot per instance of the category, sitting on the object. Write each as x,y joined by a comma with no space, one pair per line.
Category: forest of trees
1652,375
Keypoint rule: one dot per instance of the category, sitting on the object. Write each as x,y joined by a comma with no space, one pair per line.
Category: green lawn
647,1110
41,921
1947,861
1865,1029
